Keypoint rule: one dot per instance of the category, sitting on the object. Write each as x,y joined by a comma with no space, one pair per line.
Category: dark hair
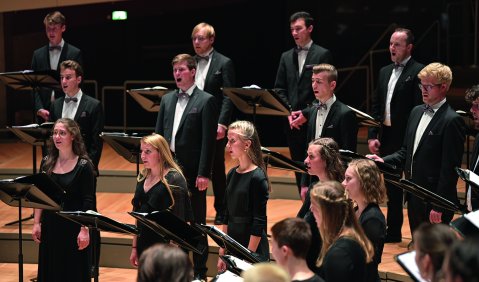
409,35
294,233
463,260
472,93
162,262
78,146
329,152
73,65
190,60
308,20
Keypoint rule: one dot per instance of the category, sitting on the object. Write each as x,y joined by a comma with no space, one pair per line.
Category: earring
246,149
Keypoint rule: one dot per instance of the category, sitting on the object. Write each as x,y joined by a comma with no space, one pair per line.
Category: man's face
201,42
184,77
322,88
475,112
432,91
70,81
54,33
398,47
301,34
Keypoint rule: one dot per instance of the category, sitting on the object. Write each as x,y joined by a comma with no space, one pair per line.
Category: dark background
253,34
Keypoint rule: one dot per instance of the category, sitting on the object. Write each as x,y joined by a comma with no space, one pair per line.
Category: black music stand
149,98
34,191
97,222
277,160
389,171
170,227
469,177
470,129
127,146
35,135
231,245
257,101
427,196
365,119
467,225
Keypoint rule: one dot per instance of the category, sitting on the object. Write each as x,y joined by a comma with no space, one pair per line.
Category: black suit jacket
295,89
405,97
41,61
90,119
474,156
438,153
196,135
220,74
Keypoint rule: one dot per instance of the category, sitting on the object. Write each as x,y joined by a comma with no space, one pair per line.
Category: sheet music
227,276
408,262
239,263
473,217
48,124
473,177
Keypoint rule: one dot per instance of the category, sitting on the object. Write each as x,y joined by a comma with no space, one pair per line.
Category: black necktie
428,109
320,106
58,47
182,95
299,49
73,99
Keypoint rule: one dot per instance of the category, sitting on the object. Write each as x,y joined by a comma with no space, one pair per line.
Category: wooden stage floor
116,205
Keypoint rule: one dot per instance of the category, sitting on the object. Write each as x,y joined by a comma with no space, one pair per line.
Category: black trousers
218,176
198,204
418,212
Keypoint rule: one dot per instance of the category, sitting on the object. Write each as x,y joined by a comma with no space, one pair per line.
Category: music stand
470,129
257,101
277,160
170,227
469,177
226,242
35,135
389,171
149,98
235,265
427,196
467,225
365,119
127,146
97,222
34,191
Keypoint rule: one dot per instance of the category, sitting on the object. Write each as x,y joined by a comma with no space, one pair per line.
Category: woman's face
62,138
314,163
149,155
236,146
352,184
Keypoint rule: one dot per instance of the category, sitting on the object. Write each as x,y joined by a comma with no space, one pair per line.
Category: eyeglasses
62,133
198,38
427,88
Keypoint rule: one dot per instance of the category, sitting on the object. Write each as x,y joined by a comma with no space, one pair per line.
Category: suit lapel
191,104
331,113
81,107
213,66
437,116
63,55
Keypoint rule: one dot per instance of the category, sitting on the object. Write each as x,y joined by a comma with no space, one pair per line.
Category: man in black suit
188,119
49,57
433,147
214,71
472,197
329,117
83,109
293,80
395,96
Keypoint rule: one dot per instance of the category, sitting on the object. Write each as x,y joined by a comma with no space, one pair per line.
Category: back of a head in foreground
266,272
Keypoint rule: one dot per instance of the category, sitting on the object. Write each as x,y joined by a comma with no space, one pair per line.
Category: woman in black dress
247,191
365,186
161,185
64,245
345,250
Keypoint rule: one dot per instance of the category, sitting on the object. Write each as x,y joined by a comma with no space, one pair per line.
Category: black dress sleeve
182,207
86,181
260,194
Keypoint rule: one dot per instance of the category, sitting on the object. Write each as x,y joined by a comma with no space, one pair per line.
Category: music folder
92,219
408,262
231,245
389,171
427,196
33,134
30,79
277,160
469,177
365,119
170,227
149,98
467,225
252,100
127,146
235,265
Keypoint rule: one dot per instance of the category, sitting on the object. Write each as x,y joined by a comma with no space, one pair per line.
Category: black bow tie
299,49
428,109
58,47
322,106
73,99
199,58
182,95
396,66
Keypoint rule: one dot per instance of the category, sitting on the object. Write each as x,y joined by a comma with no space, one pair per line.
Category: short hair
472,93
54,18
308,19
463,259
162,262
73,65
265,272
409,34
442,73
294,233
330,69
434,240
210,31
190,60
329,152
370,179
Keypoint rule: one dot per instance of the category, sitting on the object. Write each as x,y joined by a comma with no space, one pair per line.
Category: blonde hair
330,69
370,179
167,162
265,272
438,71
338,212
210,31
